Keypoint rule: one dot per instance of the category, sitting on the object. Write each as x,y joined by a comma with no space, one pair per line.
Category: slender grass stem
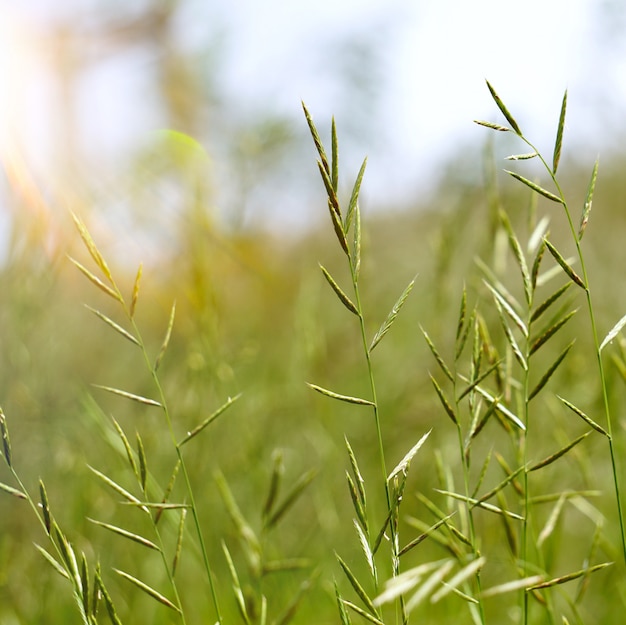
594,331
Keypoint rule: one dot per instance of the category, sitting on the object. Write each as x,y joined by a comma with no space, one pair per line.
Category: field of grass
428,428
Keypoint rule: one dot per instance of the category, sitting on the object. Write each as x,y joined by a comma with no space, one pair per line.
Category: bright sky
428,74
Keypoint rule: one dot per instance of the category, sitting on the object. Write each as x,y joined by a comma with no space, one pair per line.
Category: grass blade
391,317
148,590
559,135
347,398
345,300
503,109
127,395
212,417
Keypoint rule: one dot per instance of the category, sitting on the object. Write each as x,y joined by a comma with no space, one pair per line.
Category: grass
454,453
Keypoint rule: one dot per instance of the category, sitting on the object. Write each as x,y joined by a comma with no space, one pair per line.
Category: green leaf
148,590
559,135
391,317
212,417
345,300
346,398
503,109
564,265
588,201
535,187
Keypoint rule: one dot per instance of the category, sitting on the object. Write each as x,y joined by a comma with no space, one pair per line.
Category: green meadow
394,417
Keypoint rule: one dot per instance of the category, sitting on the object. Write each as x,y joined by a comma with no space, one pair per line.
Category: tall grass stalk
583,280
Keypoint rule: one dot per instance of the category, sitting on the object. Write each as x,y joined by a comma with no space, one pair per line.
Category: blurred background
174,128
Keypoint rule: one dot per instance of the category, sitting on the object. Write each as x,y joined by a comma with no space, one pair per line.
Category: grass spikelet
148,590
444,402
95,280
45,506
52,561
548,333
492,125
127,335
551,369
179,540
503,109
584,417
347,398
278,469
135,294
166,340
12,491
391,317
367,602
535,187
617,328
437,355
569,577
405,463
140,540
354,197
345,300
564,265
291,497
559,135
550,459
138,398
584,219
210,419
6,441
108,602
